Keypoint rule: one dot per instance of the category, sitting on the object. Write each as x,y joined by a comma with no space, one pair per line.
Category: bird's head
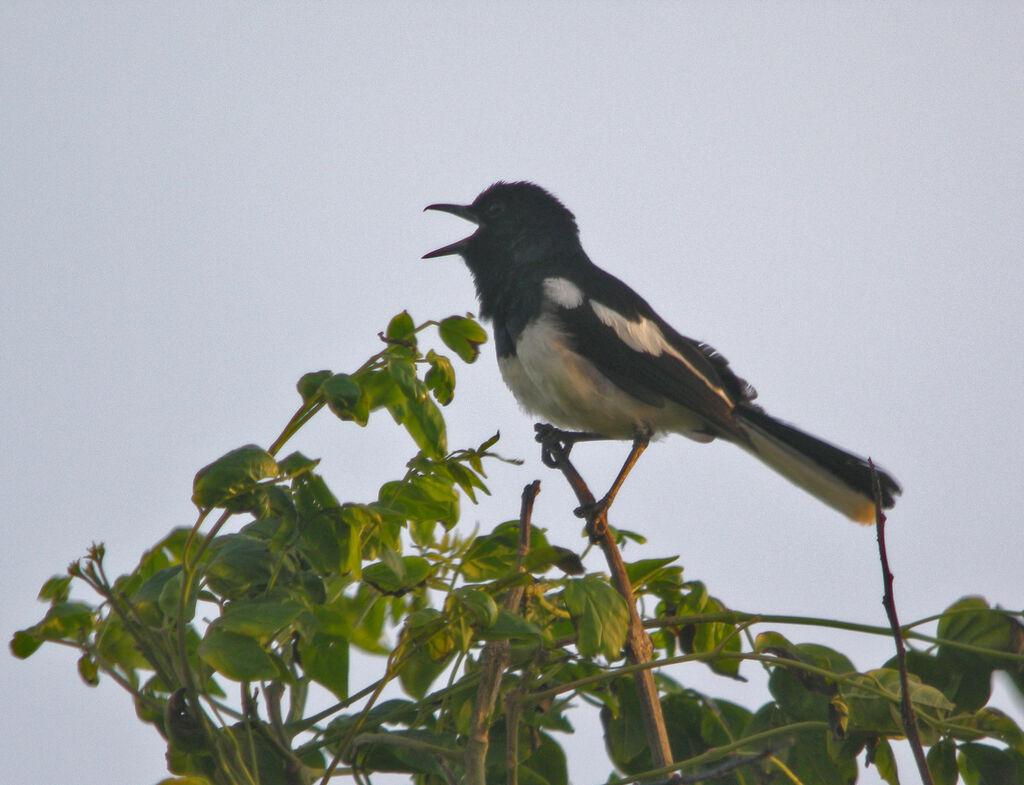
516,223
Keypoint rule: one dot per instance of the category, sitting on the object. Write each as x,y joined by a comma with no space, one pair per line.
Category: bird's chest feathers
551,380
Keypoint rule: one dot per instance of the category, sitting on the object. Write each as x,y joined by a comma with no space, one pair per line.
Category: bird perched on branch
580,348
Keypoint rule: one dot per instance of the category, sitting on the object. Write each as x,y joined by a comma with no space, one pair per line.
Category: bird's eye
495,209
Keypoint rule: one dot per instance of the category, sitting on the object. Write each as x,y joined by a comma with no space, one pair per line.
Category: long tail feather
838,478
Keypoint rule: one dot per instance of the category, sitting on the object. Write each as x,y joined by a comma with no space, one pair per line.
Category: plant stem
907,717
495,657
639,648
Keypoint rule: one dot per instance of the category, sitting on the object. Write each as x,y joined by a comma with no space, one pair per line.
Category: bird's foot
599,509
594,510
556,444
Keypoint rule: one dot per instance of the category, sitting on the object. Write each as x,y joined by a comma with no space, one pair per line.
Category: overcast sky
201,202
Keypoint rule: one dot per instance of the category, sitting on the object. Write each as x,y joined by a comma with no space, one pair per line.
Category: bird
581,349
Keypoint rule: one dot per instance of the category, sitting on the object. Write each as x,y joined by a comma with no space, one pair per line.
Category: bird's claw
555,444
593,509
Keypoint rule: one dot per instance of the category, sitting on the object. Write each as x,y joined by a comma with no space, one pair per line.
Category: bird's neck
510,281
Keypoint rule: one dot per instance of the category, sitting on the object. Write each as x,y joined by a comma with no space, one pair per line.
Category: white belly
551,381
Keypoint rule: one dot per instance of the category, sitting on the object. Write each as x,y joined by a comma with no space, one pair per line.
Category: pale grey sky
201,202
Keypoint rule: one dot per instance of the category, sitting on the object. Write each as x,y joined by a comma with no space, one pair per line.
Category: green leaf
420,498
296,463
566,560
811,763
260,754
325,659
24,644
880,715
146,599
440,379
685,721
703,637
403,371
187,780
260,618
721,636
380,388
465,478
999,726
989,722
885,762
312,494
801,693
463,336
185,729
624,736
722,722
491,556
511,625
320,542
425,424
56,589
357,620
380,755
239,566
397,577
231,476
116,646
545,764
236,656
401,328
941,759
982,764
419,670
88,671
346,398
599,615
869,711
417,412
971,684
480,606
64,620
971,621
309,384
647,570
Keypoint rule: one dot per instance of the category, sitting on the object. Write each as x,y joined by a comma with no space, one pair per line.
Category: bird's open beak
455,209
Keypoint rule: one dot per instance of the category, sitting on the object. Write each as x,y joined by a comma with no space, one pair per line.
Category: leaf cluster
223,635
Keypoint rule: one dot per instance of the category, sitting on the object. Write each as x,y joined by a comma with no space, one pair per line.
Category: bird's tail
836,477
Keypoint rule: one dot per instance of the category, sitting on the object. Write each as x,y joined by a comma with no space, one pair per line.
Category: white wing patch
563,292
645,336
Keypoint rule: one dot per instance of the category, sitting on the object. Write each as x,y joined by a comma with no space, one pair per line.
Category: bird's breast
551,380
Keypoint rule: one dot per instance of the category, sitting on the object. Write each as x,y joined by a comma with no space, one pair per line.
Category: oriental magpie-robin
580,348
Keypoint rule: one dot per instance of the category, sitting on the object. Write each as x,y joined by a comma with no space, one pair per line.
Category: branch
715,771
639,648
717,753
906,707
397,740
495,657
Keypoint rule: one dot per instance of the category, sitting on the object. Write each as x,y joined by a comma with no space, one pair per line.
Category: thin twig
495,657
639,648
398,740
717,771
512,712
717,753
906,707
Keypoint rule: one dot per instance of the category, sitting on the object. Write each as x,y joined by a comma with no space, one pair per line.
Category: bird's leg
554,440
640,441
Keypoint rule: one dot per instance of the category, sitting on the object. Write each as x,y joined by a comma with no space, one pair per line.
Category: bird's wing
621,335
